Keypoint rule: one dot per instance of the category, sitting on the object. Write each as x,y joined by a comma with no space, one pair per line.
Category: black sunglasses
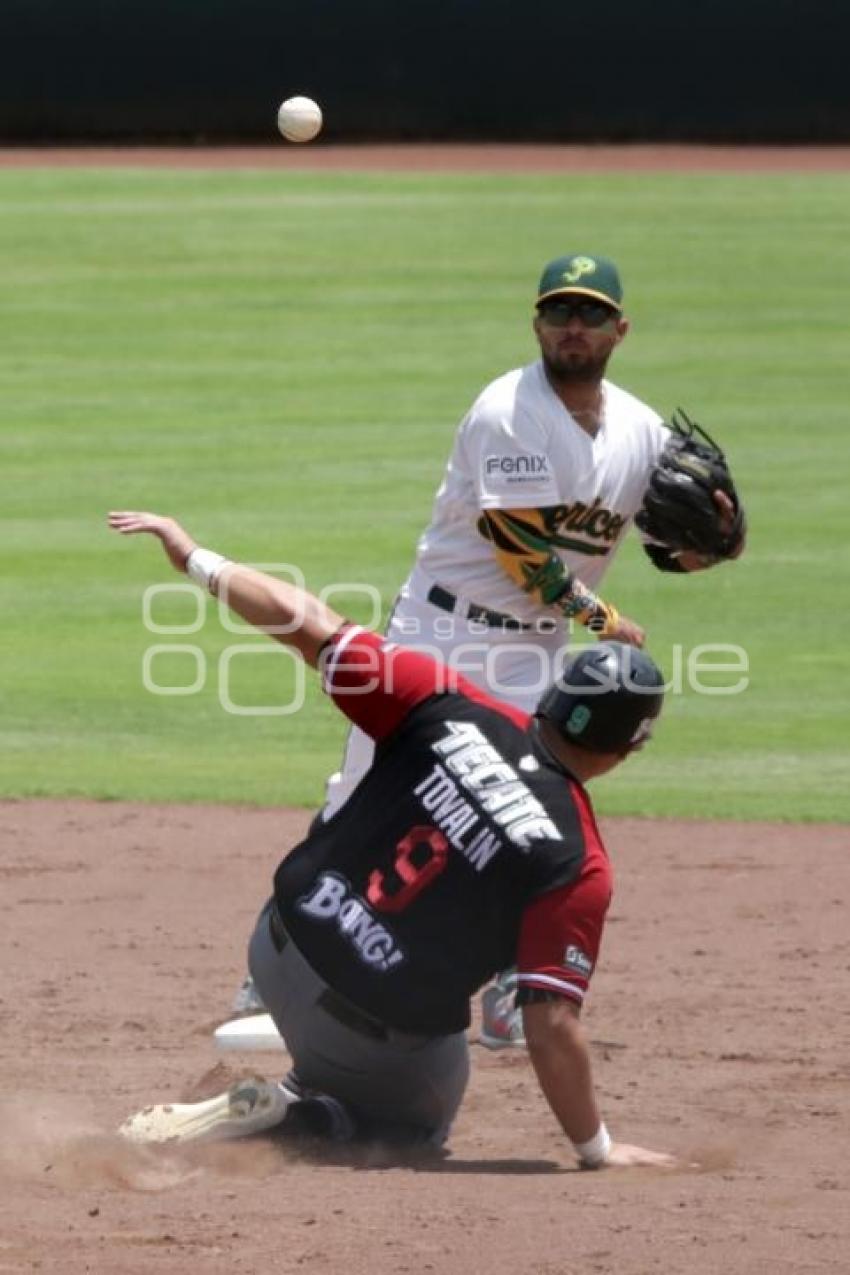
593,314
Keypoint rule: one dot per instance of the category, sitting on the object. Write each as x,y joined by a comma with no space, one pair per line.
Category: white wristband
596,1150
203,566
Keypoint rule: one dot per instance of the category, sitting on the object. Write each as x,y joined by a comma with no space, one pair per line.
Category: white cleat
246,1108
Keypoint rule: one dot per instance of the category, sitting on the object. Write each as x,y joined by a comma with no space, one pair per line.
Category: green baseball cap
580,273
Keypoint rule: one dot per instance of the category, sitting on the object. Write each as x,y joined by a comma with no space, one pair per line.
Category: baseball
299,119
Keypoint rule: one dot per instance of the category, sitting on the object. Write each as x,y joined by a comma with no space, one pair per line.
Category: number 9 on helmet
605,698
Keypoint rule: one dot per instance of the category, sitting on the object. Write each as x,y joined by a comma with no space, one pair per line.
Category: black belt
334,1004
440,597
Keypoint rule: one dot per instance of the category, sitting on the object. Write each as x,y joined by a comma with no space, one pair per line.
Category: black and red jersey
464,849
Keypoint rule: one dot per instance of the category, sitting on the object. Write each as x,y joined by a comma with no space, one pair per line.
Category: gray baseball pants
392,1082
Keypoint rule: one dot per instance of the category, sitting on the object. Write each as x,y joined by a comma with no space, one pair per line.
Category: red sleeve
561,931
377,683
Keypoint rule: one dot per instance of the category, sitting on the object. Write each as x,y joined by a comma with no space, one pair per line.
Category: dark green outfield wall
756,70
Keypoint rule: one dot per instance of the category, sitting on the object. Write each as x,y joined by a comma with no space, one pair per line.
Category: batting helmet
605,698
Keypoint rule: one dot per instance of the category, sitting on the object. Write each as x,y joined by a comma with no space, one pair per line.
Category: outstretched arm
560,1056
287,613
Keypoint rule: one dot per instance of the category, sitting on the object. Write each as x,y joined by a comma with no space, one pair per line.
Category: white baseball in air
299,119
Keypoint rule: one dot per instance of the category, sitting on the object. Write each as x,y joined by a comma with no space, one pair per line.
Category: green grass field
281,360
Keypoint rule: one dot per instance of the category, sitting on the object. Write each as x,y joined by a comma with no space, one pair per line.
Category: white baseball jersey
519,447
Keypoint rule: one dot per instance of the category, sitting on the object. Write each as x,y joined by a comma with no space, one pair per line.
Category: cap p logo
579,266
575,272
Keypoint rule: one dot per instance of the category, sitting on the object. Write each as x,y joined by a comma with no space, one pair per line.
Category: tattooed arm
524,542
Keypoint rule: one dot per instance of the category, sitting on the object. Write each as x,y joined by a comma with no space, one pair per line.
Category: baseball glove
679,510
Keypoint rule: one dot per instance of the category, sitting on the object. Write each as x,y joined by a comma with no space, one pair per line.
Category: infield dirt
719,1018
460,157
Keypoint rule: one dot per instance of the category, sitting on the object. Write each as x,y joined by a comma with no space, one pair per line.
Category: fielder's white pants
513,666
